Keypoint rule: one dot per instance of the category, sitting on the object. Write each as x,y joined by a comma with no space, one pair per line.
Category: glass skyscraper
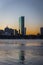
41,30
21,25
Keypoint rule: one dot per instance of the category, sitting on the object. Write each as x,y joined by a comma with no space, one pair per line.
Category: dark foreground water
10,51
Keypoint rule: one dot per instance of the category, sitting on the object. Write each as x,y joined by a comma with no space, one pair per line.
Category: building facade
15,32
8,31
41,30
25,31
21,25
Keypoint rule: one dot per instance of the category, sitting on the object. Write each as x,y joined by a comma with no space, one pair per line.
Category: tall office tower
21,25
25,31
41,30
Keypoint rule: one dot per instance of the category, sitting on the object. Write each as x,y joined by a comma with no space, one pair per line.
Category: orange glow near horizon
33,32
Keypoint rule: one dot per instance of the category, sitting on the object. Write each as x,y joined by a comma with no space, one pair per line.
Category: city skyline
11,10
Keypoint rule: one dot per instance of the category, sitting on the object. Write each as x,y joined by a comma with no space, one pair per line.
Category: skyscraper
25,31
21,25
41,30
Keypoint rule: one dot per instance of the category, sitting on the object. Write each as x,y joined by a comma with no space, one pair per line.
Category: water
10,52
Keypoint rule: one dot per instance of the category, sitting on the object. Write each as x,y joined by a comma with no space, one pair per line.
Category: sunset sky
11,10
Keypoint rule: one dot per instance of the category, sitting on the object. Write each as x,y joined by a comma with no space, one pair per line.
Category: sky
11,10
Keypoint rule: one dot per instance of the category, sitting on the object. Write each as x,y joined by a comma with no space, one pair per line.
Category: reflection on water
13,52
22,54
